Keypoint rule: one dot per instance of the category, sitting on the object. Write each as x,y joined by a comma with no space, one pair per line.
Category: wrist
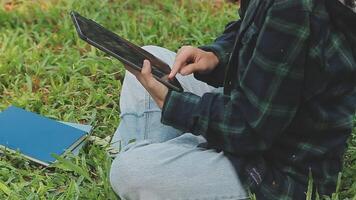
166,99
160,99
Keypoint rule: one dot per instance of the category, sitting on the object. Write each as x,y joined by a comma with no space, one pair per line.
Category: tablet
128,53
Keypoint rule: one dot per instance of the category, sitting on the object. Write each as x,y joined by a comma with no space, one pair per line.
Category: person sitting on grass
267,108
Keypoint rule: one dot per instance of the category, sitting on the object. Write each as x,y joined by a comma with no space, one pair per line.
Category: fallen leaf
9,6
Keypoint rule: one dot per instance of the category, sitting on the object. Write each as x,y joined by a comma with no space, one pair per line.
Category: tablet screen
119,46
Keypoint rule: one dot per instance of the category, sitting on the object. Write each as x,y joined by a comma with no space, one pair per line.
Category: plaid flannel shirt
289,98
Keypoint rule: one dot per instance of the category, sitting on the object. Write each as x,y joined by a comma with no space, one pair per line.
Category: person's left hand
156,89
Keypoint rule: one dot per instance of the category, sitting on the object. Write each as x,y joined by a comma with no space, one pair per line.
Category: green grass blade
5,189
68,165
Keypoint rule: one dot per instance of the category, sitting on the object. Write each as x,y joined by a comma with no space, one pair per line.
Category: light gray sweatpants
162,162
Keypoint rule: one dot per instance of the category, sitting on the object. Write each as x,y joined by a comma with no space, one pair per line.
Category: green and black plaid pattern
289,79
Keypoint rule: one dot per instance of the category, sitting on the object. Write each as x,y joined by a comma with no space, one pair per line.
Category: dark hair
351,3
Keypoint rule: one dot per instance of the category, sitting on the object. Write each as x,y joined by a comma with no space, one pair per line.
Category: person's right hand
191,59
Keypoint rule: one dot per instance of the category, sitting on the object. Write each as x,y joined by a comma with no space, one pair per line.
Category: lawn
45,68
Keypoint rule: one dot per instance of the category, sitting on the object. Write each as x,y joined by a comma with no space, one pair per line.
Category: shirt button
294,157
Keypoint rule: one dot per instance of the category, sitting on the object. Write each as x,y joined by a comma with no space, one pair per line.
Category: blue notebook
85,128
37,137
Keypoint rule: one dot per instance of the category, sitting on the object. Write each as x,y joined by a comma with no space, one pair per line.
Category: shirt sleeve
265,99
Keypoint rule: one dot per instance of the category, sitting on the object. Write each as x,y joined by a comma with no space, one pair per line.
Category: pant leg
176,169
140,116
159,168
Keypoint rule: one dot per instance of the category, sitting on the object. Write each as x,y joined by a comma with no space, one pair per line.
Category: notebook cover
86,128
35,136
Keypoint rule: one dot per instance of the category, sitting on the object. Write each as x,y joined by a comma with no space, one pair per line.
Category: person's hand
156,89
191,59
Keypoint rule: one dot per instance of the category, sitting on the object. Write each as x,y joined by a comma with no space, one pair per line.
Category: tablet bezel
156,63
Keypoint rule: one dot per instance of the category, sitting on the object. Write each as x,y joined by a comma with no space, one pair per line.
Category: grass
45,68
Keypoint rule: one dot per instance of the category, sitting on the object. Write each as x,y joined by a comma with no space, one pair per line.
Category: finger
146,69
188,69
175,70
149,82
181,59
182,48
178,63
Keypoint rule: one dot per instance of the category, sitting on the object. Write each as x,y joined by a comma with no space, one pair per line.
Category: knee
117,174
129,77
133,95
120,174
151,48
162,53
126,174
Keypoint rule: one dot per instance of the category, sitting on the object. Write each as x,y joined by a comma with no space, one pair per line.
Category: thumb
146,69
